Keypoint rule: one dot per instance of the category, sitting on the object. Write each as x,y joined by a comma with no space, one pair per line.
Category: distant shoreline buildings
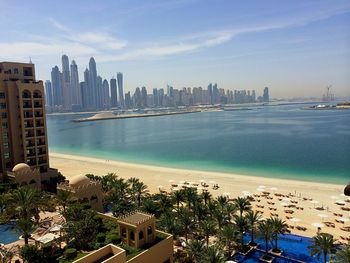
64,93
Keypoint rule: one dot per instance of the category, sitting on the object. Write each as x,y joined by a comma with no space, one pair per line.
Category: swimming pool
8,233
293,246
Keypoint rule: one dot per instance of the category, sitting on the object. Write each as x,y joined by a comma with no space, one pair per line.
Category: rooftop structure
84,189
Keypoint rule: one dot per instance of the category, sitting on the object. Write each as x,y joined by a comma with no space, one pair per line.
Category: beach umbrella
323,216
202,181
246,193
261,186
340,202
334,197
171,181
286,199
314,202
212,182
274,188
295,220
160,187
260,189
284,204
317,225
343,219
182,182
226,194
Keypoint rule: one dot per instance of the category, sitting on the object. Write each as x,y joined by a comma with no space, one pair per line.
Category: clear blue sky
295,47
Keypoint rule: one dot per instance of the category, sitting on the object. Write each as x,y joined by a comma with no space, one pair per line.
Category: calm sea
274,141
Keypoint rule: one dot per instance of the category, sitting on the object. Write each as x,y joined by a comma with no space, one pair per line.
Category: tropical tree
213,254
279,227
207,228
140,190
241,223
243,204
229,237
25,226
343,255
178,197
322,245
186,222
207,196
195,249
253,219
64,198
265,231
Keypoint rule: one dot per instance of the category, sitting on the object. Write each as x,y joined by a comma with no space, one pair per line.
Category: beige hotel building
23,134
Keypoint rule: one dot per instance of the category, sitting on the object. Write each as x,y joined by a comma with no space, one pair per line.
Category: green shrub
70,253
113,238
31,254
101,237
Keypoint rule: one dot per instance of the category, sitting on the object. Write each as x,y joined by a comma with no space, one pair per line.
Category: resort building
23,131
137,230
85,190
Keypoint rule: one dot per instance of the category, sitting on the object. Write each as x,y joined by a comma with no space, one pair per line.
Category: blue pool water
293,246
8,234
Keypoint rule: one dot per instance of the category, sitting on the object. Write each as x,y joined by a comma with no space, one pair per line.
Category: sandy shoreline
153,176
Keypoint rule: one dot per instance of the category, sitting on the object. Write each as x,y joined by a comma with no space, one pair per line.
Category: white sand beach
322,194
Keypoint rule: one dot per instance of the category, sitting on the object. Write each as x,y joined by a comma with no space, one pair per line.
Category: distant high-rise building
93,90
128,101
100,92
48,93
114,100
105,92
216,95
144,97
74,84
155,98
161,97
120,89
137,98
56,86
67,102
210,91
266,96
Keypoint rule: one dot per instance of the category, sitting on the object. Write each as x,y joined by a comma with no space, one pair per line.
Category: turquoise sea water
274,141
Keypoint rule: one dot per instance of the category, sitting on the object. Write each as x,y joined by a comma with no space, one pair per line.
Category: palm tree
279,227
222,200
186,222
214,254
179,197
229,237
265,231
343,255
322,244
206,195
64,198
207,228
25,226
140,191
241,223
243,204
195,249
253,219
191,196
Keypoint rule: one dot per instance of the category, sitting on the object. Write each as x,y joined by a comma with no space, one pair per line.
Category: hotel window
27,72
3,115
6,145
2,95
7,155
2,105
5,135
15,71
4,125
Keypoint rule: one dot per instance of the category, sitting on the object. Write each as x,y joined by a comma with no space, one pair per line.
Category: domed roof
20,167
347,190
79,180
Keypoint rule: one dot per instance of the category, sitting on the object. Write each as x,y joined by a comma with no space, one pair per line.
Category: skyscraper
215,96
56,86
99,92
23,143
87,91
120,89
144,97
266,97
155,98
105,92
74,84
48,93
210,91
114,100
67,102
94,92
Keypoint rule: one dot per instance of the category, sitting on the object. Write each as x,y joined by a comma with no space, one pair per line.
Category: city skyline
297,48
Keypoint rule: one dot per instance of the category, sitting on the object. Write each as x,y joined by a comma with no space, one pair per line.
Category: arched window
132,235
140,235
26,94
37,94
32,181
123,232
149,230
